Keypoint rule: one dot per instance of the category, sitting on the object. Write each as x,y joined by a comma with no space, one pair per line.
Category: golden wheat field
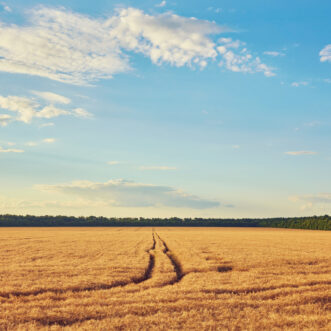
164,279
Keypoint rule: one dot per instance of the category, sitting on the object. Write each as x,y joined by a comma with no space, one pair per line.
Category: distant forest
311,223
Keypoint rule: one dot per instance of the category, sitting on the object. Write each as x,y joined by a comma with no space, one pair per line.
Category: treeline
312,223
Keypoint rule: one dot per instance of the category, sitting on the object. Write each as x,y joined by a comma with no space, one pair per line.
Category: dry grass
165,279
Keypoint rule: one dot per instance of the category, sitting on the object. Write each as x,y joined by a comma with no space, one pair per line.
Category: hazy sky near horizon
165,108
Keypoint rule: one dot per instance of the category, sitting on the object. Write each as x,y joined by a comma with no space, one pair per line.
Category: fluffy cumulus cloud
73,48
237,58
313,200
325,54
123,193
26,109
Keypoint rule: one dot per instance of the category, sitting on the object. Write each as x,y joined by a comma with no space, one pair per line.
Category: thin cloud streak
296,153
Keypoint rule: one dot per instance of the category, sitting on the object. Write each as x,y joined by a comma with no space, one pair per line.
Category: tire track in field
152,278
137,280
173,260
98,287
150,266
158,253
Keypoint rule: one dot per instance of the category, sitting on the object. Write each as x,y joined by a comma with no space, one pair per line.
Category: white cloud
301,153
237,58
80,112
62,46
309,201
215,10
161,4
44,125
325,54
130,194
327,80
51,112
28,108
163,168
31,143
10,150
52,97
165,38
4,119
36,143
49,140
6,7
274,53
14,203
312,123
236,146
73,48
297,84
113,163
23,106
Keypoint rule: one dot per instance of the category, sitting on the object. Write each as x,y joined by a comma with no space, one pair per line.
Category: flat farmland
164,278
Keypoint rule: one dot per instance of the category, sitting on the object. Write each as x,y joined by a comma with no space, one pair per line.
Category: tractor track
97,287
100,287
173,260
158,253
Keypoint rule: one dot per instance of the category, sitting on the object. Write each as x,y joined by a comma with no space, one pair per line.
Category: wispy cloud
10,150
325,54
237,58
312,123
82,113
274,53
309,201
52,97
49,140
44,125
31,143
4,119
162,168
297,84
295,153
6,7
73,48
130,194
215,10
44,141
114,163
161,4
26,109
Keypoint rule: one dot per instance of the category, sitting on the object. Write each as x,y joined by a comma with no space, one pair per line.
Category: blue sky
165,108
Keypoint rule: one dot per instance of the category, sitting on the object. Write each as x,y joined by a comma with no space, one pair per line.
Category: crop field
164,279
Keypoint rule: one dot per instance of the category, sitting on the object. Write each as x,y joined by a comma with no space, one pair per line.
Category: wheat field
164,279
